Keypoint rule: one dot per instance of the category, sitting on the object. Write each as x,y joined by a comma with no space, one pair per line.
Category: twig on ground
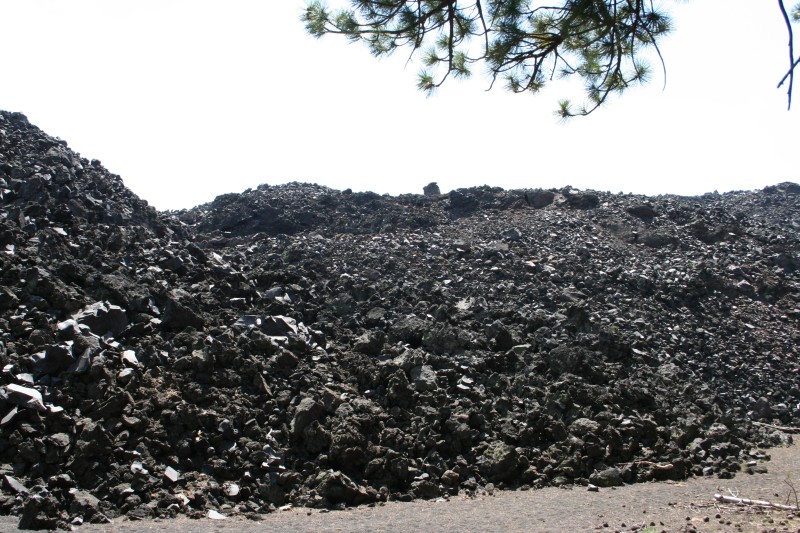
754,503
785,429
792,491
656,466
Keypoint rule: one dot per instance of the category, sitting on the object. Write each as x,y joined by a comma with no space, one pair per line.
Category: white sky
188,99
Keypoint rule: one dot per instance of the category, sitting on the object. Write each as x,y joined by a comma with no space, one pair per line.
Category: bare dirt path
650,507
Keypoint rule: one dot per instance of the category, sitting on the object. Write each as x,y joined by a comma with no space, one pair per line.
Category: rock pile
300,345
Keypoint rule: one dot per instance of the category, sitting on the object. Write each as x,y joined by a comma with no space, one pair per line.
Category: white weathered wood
785,429
754,503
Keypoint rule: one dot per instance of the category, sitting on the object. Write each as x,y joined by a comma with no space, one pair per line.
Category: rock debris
296,345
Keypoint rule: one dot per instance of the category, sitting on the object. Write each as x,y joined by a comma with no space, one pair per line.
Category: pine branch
528,45
792,62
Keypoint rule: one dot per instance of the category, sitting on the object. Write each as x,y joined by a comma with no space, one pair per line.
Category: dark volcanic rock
610,477
298,344
102,318
582,200
431,189
539,198
644,211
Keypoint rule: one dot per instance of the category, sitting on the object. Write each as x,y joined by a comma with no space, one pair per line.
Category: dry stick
791,52
791,491
655,466
785,429
754,503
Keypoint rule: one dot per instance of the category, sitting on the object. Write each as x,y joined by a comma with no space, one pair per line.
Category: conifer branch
792,62
525,43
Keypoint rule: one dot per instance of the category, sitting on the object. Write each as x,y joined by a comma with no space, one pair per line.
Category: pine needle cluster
521,42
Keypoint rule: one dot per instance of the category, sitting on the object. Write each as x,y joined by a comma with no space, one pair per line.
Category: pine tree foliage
524,43
793,63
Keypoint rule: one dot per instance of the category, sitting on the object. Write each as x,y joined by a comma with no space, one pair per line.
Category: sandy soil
650,507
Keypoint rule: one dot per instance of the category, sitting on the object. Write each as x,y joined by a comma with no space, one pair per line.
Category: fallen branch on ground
656,466
785,429
755,503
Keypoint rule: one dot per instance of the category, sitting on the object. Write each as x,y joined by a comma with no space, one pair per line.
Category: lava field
298,345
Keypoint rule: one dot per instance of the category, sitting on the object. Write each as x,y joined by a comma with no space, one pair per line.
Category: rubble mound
298,345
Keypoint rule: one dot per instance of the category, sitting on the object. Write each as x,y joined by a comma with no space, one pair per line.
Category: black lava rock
299,345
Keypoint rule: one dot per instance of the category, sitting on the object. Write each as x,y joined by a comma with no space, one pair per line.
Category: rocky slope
301,345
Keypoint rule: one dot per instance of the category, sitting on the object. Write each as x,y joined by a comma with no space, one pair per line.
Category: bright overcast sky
188,99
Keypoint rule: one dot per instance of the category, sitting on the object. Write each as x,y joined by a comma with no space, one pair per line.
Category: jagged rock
306,412
657,240
441,339
82,363
610,477
202,360
23,396
431,189
399,390
93,441
171,474
499,335
463,202
539,198
643,211
409,329
8,300
178,315
14,485
450,478
336,487
582,200
41,510
424,378
87,507
370,343
500,462
572,360
54,360
279,325
102,317
583,426
215,515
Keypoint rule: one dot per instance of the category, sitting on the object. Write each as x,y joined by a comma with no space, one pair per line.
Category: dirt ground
650,507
